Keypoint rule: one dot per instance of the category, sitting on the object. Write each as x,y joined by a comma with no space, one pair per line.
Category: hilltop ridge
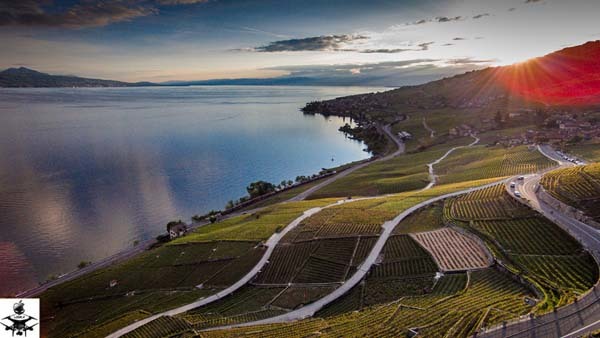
24,77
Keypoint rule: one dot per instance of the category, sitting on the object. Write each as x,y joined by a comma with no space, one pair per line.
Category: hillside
569,77
24,77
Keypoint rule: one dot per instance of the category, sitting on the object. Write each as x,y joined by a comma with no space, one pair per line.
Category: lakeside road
576,319
143,246
114,259
387,129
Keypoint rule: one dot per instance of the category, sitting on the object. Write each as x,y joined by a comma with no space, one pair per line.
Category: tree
260,188
290,182
283,183
229,205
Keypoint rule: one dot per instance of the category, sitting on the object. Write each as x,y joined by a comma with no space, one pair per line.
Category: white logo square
20,317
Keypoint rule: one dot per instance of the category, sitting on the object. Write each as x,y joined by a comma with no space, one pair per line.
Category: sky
393,41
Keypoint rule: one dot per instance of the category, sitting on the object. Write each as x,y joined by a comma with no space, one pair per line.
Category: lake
86,172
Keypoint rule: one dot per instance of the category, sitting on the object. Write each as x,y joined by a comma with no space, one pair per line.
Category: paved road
432,175
108,261
270,244
386,129
133,251
310,309
573,320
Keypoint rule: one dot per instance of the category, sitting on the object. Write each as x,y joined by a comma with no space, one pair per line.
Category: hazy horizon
405,42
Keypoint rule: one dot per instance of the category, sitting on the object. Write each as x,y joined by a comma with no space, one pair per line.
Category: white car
512,185
520,178
517,193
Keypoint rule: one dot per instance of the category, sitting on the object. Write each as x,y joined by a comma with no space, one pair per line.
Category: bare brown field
452,250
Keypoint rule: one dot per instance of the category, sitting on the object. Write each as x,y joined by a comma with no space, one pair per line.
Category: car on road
520,178
518,194
512,185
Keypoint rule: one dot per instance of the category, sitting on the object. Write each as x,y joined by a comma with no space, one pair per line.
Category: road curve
270,244
310,309
573,320
133,251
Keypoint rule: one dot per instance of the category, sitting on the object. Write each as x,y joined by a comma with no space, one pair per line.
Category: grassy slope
216,255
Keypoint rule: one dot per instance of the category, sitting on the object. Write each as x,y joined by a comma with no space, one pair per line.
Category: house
176,229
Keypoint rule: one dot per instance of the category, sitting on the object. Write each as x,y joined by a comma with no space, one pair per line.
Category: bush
83,264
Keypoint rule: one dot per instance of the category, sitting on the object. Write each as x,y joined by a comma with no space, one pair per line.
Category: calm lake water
85,172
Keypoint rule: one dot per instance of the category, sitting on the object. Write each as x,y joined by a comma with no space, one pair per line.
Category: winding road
141,247
432,175
573,320
310,309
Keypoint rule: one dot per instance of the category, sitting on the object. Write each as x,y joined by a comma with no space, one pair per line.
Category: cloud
425,45
532,1
447,19
180,2
436,19
420,22
467,61
458,39
479,16
83,14
385,50
392,73
316,43
512,9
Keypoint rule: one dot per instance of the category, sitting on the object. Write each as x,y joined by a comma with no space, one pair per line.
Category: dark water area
86,172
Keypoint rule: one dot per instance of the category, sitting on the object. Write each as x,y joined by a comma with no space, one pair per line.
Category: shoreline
141,247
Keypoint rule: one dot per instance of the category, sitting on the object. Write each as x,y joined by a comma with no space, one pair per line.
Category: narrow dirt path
432,175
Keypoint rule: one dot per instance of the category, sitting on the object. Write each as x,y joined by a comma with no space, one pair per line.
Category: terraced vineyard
577,186
214,256
404,173
487,204
461,309
527,243
486,162
452,250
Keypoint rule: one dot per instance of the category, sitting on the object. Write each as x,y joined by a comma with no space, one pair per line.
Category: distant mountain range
568,76
25,77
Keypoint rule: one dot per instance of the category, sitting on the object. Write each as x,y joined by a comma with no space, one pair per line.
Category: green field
403,173
480,162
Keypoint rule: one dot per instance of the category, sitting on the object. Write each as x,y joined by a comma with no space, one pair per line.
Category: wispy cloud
479,16
425,45
315,43
467,61
447,19
440,19
532,1
393,73
458,39
180,2
81,14
385,50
